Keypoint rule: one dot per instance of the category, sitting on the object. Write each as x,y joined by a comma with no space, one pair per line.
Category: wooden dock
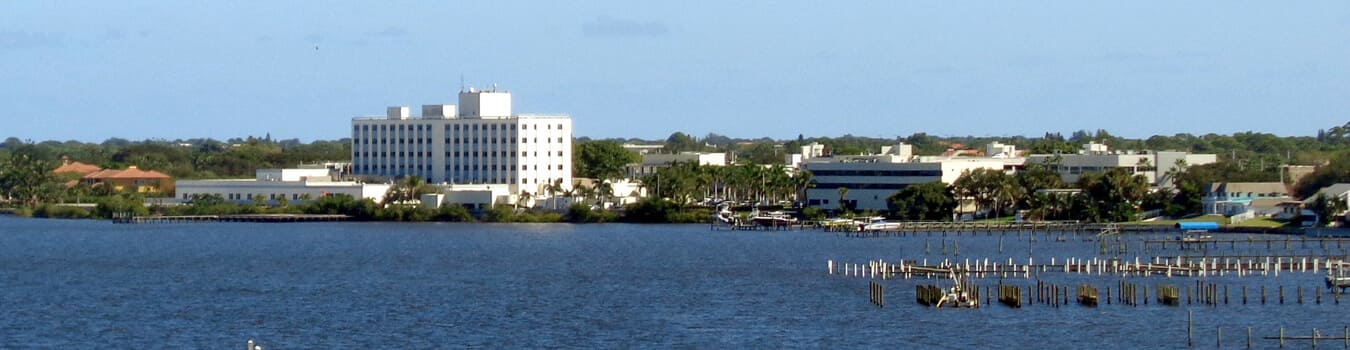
274,218
1180,266
943,228
1286,243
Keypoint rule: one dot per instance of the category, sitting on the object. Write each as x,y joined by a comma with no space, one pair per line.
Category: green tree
990,189
601,160
28,180
681,142
1114,194
927,201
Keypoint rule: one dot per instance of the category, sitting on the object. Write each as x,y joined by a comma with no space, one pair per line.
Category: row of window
451,141
365,168
876,172
453,127
860,186
457,154
1090,169
250,196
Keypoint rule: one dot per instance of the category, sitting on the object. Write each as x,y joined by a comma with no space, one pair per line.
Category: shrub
52,211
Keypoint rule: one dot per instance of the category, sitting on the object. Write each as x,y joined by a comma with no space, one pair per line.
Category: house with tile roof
131,179
72,167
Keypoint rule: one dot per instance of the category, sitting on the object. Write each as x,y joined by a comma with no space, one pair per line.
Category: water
92,284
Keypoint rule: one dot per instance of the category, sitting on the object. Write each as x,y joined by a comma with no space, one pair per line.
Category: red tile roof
76,167
130,173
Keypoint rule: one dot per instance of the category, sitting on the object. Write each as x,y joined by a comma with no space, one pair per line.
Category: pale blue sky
90,70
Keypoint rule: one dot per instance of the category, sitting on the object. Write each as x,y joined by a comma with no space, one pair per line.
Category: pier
1180,266
930,228
123,218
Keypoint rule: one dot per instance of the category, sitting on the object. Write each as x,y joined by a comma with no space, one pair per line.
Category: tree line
757,176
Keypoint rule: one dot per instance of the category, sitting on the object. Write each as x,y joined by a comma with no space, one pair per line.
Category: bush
659,210
813,213
121,204
649,210
500,213
453,213
52,211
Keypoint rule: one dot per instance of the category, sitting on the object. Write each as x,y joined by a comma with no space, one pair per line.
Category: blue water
92,284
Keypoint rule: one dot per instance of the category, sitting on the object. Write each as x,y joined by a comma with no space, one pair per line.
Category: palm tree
525,197
606,190
410,188
801,182
843,195
553,189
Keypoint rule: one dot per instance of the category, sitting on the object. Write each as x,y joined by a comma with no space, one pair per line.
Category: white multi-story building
480,143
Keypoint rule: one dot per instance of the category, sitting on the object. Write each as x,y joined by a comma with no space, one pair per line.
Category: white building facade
1095,157
651,162
871,180
275,186
478,142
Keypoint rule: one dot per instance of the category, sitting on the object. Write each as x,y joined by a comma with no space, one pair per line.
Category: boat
882,225
1195,236
874,223
773,218
957,296
1339,276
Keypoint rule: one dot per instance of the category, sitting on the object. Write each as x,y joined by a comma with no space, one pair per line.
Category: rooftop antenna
461,82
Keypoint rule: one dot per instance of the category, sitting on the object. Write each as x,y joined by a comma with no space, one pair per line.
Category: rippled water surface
92,284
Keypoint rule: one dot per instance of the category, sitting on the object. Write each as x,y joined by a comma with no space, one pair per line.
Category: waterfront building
872,179
1096,157
479,141
274,186
131,179
653,161
1239,198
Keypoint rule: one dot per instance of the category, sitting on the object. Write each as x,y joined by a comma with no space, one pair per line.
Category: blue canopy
1199,225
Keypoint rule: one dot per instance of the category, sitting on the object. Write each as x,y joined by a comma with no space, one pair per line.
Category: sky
92,70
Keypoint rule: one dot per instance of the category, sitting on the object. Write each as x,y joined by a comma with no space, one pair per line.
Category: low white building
653,161
871,180
472,196
274,186
1096,157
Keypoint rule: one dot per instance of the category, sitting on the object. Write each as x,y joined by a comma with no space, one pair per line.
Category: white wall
243,191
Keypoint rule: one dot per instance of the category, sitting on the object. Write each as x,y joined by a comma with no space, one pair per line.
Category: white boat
1195,236
1339,276
874,223
882,225
958,297
773,218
